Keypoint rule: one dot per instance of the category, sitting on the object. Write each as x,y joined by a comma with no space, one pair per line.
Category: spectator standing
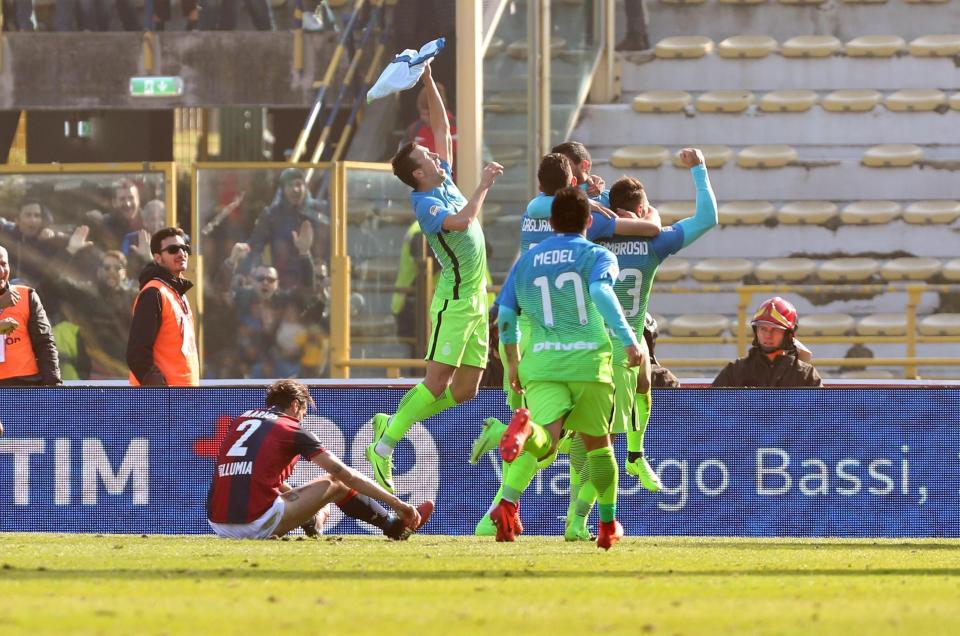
110,229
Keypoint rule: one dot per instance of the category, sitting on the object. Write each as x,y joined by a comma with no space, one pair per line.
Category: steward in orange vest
162,349
28,353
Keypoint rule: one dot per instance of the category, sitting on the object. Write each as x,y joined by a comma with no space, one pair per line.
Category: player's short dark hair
627,193
570,210
554,173
404,165
157,239
282,393
575,151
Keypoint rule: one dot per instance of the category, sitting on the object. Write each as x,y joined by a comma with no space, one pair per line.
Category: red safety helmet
777,312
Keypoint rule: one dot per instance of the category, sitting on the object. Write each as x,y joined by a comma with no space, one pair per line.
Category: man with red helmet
777,358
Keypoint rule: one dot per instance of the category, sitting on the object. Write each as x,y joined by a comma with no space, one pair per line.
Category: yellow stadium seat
785,269
939,325
807,212
788,101
955,101
684,46
506,102
747,46
745,212
713,156
847,270
639,157
875,46
916,100
951,270
882,325
508,156
892,156
518,50
673,211
699,325
661,101
495,48
935,46
910,268
930,212
870,212
374,325
766,156
827,325
724,101
851,101
673,269
811,46
713,270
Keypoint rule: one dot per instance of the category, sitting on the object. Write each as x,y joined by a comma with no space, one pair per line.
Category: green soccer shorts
460,331
624,398
587,405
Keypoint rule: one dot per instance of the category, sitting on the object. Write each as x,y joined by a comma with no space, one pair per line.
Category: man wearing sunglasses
162,350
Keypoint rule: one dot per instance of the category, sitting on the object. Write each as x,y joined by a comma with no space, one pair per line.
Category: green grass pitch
68,584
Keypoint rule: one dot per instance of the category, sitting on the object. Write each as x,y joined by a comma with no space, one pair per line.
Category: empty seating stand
788,101
882,325
939,325
703,325
892,156
713,156
745,212
721,270
870,212
811,46
916,100
776,156
827,325
848,270
851,101
661,101
673,211
639,157
725,101
673,269
785,269
932,212
684,47
807,212
935,46
875,46
910,268
951,270
747,46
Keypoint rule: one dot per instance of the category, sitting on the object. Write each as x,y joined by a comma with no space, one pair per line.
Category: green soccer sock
635,438
417,405
539,442
521,473
504,471
578,463
602,469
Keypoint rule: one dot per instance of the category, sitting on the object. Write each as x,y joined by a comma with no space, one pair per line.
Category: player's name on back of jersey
626,248
235,468
261,415
536,225
553,257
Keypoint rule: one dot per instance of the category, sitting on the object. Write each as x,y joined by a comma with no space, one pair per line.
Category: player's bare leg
302,503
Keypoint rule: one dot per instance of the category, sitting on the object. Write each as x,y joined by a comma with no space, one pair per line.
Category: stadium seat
875,46
865,1
916,100
851,101
495,48
892,156
810,2
882,325
673,211
745,212
807,212
766,156
955,101
359,210
931,212
926,1
673,269
742,1
715,270
747,46
375,269
910,268
699,325
374,325
951,270
724,101
683,1
506,102
661,101
508,156
518,49
789,101
935,46
811,46
684,46
847,270
639,157
870,212
785,269
713,156
939,325
826,325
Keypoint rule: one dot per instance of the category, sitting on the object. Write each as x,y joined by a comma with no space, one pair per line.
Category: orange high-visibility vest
175,349
19,359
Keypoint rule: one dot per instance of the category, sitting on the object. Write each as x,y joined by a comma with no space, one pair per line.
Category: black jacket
146,324
44,347
757,370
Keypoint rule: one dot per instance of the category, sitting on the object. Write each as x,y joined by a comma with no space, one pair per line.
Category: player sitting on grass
564,286
457,352
638,261
248,498
555,172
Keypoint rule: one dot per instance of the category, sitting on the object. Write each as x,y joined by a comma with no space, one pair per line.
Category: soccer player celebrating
457,351
638,261
249,498
565,287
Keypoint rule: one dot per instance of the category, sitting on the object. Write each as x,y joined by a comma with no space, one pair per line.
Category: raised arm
462,220
705,216
439,123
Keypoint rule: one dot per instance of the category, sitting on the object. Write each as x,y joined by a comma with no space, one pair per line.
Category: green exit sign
155,86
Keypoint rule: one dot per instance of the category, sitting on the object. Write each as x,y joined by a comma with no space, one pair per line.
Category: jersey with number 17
259,452
550,284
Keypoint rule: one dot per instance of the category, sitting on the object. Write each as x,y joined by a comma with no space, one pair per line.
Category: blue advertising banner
816,463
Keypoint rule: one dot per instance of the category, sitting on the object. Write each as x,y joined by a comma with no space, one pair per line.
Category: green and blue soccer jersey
535,223
462,255
550,284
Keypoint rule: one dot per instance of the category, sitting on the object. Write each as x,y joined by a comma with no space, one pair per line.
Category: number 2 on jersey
238,449
634,291
544,284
